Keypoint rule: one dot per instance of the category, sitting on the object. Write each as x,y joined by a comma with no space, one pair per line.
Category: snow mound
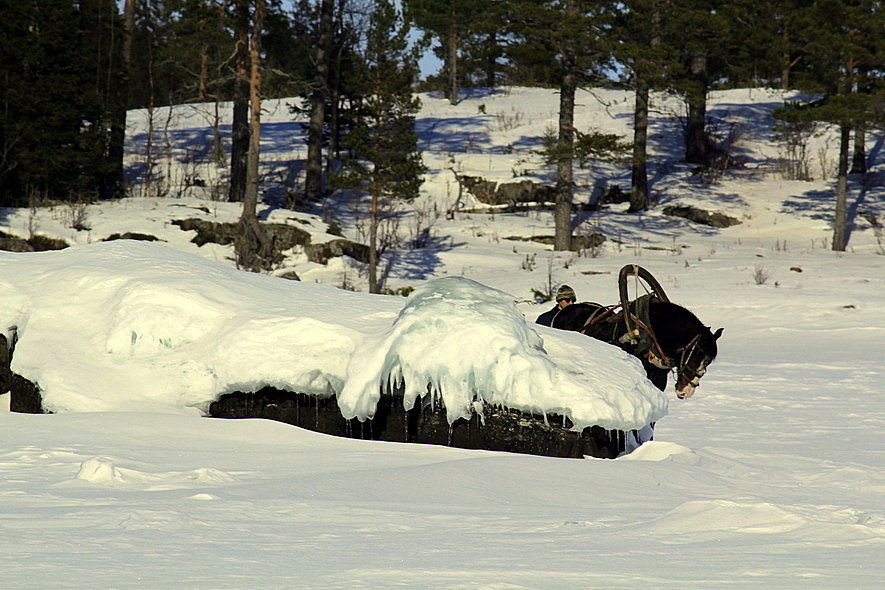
135,326
99,471
468,344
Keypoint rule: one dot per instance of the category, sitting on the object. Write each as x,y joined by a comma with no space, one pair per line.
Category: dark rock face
701,216
579,242
321,253
37,243
283,237
24,396
497,429
494,193
5,360
131,235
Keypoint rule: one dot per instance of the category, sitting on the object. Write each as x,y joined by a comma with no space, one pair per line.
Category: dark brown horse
664,336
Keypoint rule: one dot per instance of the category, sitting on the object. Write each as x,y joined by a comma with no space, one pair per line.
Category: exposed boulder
496,429
132,235
579,242
504,193
321,253
24,396
5,360
283,237
36,243
714,219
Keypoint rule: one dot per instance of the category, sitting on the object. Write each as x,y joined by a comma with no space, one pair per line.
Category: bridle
685,355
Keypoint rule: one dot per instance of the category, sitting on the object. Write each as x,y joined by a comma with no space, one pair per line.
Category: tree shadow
453,134
469,93
420,264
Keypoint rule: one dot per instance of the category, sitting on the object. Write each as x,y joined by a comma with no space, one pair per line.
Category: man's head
565,296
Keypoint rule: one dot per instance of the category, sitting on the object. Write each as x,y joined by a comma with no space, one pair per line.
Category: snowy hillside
770,476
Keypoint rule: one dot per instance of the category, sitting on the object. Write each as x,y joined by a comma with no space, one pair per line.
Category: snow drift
124,325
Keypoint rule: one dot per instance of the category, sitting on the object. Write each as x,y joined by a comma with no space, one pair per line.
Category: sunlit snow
135,326
771,476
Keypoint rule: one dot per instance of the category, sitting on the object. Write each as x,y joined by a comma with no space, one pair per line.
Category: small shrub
541,296
760,275
528,262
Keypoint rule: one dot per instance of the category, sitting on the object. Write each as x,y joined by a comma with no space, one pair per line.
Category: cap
565,292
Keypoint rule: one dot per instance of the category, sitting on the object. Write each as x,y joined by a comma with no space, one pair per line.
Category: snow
469,343
132,326
770,476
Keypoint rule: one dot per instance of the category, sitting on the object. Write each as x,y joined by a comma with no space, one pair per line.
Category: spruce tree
844,43
319,98
387,161
58,80
452,22
567,33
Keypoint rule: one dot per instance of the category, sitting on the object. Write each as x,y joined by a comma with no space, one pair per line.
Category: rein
657,356
687,351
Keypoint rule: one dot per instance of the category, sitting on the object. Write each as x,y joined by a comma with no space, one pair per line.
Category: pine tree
452,22
844,43
567,33
253,245
240,122
319,98
388,162
58,79
696,28
639,46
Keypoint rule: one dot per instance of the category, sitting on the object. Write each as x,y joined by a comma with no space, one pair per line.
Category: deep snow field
771,476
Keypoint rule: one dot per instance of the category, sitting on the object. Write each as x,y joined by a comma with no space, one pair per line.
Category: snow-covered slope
771,476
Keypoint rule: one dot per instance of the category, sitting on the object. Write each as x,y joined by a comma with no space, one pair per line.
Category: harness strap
655,347
600,314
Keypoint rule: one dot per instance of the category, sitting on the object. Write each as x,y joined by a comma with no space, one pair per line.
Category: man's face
564,302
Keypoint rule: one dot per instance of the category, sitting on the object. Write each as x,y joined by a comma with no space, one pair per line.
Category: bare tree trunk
204,74
639,200
840,220
253,246
696,143
313,185
452,62
565,180
491,62
117,139
240,124
335,89
374,287
859,160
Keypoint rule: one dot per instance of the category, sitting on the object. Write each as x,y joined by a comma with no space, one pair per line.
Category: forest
70,71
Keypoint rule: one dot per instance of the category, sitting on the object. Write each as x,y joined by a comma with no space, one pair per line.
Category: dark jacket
546,318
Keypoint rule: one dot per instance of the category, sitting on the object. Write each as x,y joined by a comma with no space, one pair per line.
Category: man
565,296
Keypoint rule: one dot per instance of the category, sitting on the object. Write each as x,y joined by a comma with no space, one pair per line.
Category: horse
663,335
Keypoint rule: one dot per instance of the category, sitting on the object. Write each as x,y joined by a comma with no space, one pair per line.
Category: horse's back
575,316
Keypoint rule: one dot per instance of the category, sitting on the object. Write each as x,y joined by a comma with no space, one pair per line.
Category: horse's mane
674,326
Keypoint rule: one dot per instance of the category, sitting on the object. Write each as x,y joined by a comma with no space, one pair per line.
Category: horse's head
693,361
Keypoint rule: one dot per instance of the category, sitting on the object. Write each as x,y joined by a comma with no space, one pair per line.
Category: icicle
451,434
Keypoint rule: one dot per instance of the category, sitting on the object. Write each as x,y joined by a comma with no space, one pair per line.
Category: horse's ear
717,333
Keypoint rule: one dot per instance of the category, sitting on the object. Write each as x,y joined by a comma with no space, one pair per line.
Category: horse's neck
674,326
